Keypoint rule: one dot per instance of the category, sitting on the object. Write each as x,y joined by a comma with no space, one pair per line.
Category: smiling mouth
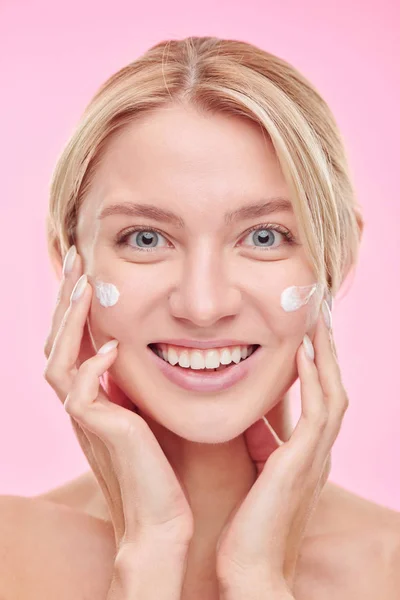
157,351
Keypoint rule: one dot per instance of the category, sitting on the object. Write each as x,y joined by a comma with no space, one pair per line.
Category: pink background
53,59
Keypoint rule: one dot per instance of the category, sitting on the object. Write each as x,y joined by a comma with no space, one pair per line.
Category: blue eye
264,240
146,237
265,236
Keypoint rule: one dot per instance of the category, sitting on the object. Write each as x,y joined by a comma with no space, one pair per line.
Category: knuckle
341,400
73,407
57,379
47,347
50,374
344,405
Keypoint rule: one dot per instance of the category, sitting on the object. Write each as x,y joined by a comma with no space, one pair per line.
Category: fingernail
308,347
108,346
326,313
79,288
69,260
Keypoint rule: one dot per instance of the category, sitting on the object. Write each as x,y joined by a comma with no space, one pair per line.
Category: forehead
190,162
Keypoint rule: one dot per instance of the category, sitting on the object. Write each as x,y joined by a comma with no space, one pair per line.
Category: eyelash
122,240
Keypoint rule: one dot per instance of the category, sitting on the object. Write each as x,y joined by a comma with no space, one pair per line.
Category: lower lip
203,381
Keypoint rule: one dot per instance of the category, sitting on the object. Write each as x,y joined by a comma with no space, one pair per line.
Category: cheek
116,308
107,293
291,306
303,299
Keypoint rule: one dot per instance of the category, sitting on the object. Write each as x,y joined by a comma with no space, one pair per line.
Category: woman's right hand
147,504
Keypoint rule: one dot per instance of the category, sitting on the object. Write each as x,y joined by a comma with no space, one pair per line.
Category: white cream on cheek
296,296
292,298
107,293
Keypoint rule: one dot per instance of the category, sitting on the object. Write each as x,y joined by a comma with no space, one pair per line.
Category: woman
201,219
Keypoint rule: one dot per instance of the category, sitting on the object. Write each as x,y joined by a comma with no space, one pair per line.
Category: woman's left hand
259,546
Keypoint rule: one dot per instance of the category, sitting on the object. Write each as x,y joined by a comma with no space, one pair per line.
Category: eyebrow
162,215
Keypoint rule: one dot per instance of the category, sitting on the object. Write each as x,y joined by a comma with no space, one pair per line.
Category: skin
207,280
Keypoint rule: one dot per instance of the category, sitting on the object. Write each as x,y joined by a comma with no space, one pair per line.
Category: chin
215,422
205,417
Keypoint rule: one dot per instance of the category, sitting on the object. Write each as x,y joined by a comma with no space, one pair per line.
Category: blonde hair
237,78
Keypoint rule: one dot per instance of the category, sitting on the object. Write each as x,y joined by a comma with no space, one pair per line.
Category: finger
72,270
323,401
141,465
61,365
87,347
90,444
335,395
326,361
302,447
85,388
97,451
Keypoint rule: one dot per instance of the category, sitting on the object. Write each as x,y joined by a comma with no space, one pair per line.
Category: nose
205,293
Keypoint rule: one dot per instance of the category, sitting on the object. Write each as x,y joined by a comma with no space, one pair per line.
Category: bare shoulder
353,550
82,493
49,550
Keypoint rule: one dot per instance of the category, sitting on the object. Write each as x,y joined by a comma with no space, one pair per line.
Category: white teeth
184,360
236,355
172,356
197,359
225,357
212,359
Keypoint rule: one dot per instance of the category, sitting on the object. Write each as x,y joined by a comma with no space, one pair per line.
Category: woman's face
200,275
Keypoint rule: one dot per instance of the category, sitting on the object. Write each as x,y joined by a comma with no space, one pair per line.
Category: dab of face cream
296,296
107,293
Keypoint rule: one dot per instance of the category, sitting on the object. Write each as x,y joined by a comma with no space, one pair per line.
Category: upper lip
204,344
